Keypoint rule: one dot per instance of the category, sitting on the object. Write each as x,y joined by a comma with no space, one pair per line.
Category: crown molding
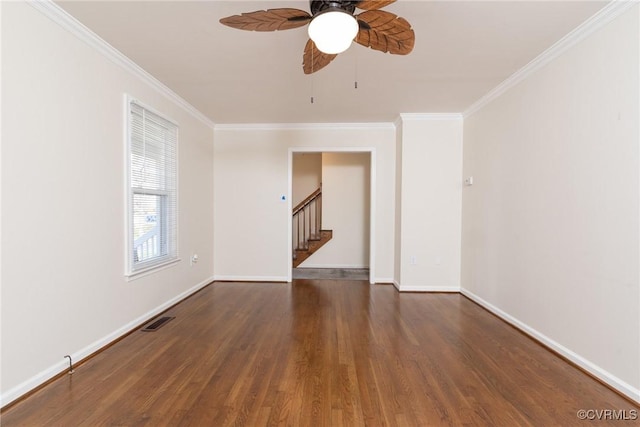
340,126
430,116
306,126
79,30
398,122
605,15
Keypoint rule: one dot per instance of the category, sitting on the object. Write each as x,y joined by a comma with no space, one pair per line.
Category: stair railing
148,245
307,220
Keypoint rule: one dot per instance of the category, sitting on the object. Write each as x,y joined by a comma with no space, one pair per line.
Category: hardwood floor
322,353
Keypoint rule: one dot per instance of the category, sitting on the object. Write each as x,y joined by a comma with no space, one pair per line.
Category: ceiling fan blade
385,32
313,59
268,20
373,4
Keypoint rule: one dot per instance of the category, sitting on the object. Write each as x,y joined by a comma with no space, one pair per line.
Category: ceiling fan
333,25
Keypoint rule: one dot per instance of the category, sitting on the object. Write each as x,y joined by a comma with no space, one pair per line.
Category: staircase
308,235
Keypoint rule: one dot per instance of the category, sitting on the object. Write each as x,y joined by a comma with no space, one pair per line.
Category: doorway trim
372,200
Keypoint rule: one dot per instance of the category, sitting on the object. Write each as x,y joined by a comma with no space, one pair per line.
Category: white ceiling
463,49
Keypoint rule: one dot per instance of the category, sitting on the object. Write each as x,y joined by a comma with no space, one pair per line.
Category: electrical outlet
412,260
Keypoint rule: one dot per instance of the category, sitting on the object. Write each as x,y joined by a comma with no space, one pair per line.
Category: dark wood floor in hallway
321,353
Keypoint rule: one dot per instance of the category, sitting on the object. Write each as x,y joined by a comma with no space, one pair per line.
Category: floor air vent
157,324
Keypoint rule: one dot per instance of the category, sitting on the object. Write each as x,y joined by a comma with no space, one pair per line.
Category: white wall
550,226
63,192
345,210
430,203
397,255
307,175
252,172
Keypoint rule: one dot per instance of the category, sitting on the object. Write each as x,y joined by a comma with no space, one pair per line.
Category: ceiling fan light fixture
333,31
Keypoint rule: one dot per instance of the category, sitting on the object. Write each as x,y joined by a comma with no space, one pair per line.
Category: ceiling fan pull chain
312,76
355,83
355,61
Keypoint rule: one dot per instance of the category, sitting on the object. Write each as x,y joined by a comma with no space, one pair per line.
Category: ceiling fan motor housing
321,6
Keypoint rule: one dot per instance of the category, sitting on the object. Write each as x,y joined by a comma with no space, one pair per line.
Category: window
152,191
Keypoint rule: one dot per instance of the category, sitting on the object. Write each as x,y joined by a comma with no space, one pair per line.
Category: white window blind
152,183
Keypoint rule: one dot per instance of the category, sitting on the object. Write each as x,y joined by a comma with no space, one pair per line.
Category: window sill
151,270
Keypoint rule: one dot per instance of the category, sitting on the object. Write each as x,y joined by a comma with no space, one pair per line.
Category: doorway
348,178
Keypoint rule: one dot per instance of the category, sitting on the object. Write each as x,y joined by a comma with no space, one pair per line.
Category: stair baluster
308,235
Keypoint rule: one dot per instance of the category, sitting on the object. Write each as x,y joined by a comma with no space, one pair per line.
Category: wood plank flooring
321,353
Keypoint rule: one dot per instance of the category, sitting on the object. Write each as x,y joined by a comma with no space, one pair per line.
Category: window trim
143,268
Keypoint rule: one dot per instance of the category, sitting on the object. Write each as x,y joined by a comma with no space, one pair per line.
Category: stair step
301,254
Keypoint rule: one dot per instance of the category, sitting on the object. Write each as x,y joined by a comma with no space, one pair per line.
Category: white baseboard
425,288
605,376
383,280
231,278
44,376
